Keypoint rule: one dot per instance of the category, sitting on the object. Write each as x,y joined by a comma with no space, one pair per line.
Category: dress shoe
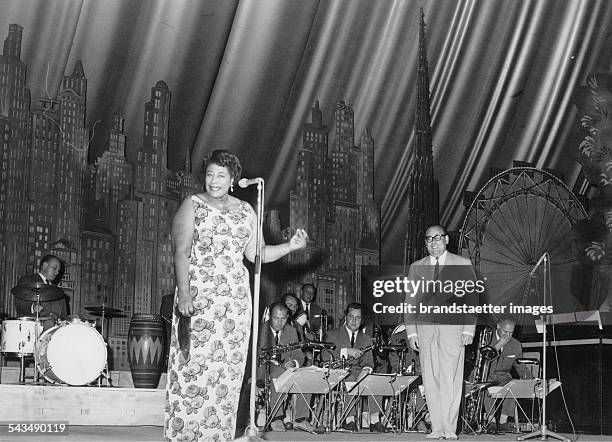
350,426
277,425
435,435
378,427
304,425
507,427
421,427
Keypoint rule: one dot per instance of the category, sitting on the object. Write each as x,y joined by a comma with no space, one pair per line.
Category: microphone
544,257
328,345
245,182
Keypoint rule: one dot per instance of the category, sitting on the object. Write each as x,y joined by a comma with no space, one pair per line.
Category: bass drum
72,353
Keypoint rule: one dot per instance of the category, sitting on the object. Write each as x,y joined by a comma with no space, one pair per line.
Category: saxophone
344,363
474,406
273,354
316,352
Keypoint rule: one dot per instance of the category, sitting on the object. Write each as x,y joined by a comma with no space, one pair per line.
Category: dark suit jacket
288,335
314,320
341,338
501,367
59,307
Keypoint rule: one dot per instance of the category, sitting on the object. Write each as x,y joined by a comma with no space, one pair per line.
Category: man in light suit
441,346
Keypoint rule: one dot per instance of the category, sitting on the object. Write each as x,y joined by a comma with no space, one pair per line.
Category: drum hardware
106,313
35,292
72,352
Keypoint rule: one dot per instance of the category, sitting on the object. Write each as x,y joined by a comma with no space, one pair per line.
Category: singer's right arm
182,237
271,253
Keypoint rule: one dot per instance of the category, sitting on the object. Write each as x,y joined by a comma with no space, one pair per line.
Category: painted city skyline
109,220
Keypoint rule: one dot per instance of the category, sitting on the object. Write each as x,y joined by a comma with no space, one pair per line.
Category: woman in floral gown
211,234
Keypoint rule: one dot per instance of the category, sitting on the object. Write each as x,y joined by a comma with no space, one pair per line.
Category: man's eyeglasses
435,237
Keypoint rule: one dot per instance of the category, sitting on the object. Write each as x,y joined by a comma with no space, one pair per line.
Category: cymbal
29,290
108,314
104,310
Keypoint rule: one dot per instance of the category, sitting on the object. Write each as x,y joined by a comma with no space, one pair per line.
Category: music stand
377,384
521,389
306,380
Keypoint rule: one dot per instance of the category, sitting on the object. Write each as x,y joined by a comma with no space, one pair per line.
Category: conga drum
146,342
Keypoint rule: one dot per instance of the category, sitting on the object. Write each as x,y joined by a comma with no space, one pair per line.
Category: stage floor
154,433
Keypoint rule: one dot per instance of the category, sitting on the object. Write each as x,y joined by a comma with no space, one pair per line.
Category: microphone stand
252,430
543,432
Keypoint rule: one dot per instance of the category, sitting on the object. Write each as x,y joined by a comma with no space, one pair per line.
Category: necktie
307,311
276,339
353,339
436,274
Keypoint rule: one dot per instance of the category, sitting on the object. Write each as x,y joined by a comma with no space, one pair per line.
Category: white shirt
441,260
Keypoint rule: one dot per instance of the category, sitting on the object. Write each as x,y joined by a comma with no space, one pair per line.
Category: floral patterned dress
204,384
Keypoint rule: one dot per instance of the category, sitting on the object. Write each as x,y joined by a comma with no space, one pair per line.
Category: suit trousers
442,371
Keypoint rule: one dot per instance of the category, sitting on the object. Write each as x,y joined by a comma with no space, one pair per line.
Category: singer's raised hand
298,240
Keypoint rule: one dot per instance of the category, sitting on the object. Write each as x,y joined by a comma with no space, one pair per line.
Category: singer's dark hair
223,158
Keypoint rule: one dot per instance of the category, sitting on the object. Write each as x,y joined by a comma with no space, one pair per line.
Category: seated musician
509,350
276,332
48,271
355,347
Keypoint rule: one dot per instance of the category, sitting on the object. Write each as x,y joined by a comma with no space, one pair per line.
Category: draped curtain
244,75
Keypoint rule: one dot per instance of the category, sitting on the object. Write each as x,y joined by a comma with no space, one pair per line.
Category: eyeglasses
435,237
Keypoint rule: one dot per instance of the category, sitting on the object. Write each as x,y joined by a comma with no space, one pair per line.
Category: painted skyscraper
333,199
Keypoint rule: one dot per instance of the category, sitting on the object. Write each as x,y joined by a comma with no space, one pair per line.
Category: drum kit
69,352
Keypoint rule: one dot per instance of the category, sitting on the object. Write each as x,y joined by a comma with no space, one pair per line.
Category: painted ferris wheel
518,216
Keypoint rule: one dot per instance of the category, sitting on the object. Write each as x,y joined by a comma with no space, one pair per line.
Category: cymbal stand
36,324
105,373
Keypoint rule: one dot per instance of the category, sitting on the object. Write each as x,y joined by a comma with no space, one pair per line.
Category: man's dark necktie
353,340
308,311
276,338
436,274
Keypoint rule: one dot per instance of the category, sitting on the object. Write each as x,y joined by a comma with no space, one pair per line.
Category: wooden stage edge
121,405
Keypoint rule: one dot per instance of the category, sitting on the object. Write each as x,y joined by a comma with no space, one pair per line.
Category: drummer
48,271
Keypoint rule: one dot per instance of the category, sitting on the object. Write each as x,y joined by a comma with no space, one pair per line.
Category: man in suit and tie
441,344
313,311
48,270
276,332
353,344
509,350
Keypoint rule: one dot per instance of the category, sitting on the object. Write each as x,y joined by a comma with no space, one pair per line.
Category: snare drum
19,336
71,352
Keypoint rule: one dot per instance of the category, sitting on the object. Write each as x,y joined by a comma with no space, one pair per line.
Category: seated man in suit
48,270
509,350
276,332
355,347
